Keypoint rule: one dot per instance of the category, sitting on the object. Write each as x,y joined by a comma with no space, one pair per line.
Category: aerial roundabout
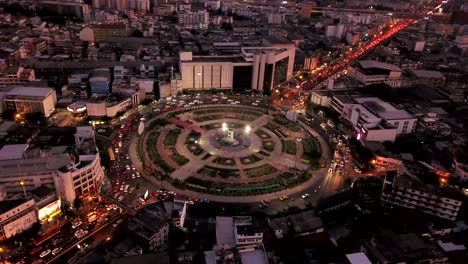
229,151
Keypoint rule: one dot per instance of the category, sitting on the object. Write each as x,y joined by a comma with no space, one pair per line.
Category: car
266,201
305,196
122,187
76,224
204,200
35,250
45,253
283,198
133,176
116,189
137,174
254,104
115,207
263,206
121,197
56,250
131,190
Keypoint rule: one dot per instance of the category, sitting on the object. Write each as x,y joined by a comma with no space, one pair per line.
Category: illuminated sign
49,209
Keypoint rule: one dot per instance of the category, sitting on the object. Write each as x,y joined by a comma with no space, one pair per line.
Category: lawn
153,153
179,159
250,159
290,147
268,145
171,138
311,149
262,134
259,171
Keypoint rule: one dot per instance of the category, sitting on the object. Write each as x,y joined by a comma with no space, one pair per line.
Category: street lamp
24,189
295,158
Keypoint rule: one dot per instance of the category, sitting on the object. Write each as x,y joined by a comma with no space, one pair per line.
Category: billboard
49,209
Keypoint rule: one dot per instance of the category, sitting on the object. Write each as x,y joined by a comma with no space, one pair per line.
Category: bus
111,154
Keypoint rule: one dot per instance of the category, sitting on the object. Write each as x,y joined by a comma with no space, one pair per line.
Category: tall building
140,5
67,7
194,20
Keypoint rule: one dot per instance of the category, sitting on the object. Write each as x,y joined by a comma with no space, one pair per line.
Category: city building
436,201
255,68
63,159
99,33
150,227
305,9
16,76
237,231
111,105
372,118
194,19
68,7
31,100
433,79
370,72
16,216
390,247
99,81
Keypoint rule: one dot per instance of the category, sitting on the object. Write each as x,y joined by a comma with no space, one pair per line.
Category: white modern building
256,68
372,118
427,199
73,171
31,99
16,216
370,72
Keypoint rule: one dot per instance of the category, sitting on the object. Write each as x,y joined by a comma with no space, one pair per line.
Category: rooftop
224,231
426,74
42,192
8,205
382,108
40,92
256,256
13,152
371,64
358,258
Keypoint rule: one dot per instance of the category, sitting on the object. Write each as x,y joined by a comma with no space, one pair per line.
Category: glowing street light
247,129
24,189
224,126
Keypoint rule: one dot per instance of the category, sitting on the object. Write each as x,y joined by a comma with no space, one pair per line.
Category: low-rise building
31,100
370,72
16,216
439,202
63,159
434,79
150,227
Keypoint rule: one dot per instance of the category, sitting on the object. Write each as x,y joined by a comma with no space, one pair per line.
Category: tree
36,118
137,33
8,114
77,203
226,26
